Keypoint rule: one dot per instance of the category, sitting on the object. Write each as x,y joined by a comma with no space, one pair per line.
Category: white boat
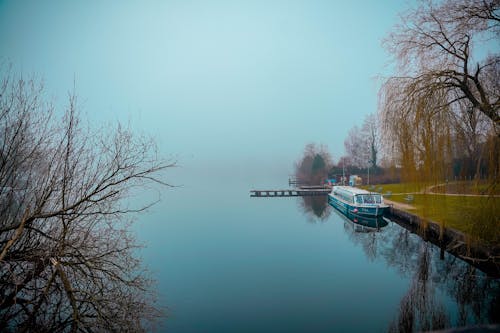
352,200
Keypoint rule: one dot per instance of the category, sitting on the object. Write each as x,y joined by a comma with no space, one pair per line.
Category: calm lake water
226,262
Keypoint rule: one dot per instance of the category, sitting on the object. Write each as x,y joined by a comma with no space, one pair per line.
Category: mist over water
225,261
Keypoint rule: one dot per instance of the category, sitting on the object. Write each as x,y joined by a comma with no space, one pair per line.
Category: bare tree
356,148
445,101
67,259
434,46
371,131
362,144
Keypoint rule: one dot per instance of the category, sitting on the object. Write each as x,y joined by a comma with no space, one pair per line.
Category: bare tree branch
64,190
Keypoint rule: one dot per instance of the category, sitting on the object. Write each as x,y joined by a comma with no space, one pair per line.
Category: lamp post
343,173
369,162
368,173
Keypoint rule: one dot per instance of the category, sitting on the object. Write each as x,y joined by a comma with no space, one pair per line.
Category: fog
223,84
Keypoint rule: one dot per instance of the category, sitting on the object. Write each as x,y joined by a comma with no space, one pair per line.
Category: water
226,262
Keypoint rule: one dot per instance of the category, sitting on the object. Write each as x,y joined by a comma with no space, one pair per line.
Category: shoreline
485,258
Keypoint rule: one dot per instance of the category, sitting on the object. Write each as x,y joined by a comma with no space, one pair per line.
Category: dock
296,192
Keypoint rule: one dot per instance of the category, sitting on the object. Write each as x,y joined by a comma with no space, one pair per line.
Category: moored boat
352,200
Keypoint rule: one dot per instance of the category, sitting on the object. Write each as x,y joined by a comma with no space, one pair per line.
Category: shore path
399,205
430,190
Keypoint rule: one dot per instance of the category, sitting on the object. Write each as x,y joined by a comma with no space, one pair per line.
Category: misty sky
215,82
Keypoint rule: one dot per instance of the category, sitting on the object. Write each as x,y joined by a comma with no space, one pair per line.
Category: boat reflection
361,223
366,224
443,292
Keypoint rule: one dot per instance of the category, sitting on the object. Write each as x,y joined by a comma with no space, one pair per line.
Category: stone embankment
486,258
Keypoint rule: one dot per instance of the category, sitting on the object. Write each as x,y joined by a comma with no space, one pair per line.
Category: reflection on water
476,296
316,208
232,263
419,308
364,224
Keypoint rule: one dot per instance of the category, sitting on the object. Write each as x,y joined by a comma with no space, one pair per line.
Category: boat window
359,199
369,199
344,195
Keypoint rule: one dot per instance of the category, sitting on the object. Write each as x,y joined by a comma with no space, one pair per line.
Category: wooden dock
297,192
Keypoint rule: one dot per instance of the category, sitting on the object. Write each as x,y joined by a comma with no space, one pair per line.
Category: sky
219,83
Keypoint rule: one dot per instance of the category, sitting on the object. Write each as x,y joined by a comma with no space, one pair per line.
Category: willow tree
418,130
443,74
67,260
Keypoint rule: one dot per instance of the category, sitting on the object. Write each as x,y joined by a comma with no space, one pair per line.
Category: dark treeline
314,165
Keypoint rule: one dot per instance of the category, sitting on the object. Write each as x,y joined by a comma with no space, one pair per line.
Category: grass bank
477,216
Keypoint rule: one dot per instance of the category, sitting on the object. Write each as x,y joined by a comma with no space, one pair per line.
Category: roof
353,190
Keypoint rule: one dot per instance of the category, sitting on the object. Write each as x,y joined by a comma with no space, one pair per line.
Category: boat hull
362,210
365,224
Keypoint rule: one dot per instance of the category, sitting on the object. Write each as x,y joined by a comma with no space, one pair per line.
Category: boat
352,200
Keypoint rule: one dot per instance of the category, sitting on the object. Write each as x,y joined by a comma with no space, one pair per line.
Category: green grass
397,188
460,187
476,216
468,187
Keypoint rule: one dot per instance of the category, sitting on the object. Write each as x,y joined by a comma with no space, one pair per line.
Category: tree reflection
432,274
474,293
419,309
316,208
364,231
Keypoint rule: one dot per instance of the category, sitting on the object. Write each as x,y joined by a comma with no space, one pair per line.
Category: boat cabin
357,196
